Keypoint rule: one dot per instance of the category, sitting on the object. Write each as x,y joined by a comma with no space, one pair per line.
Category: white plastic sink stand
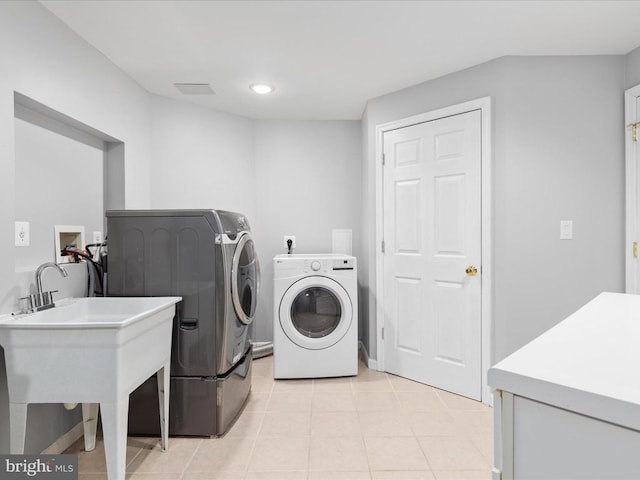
98,363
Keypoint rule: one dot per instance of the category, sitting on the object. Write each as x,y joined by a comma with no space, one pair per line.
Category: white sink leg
90,424
114,429
17,427
163,399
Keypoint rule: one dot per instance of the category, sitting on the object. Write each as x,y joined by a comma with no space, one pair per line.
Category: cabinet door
551,443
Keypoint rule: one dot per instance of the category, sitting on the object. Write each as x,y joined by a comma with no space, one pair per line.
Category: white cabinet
567,405
540,442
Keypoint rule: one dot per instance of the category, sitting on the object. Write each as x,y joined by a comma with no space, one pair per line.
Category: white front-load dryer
315,317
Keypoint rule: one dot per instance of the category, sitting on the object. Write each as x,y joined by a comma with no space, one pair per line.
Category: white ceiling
327,58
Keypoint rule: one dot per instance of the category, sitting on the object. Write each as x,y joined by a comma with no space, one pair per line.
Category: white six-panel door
432,240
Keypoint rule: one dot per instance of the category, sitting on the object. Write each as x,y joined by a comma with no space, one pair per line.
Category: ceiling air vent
195,88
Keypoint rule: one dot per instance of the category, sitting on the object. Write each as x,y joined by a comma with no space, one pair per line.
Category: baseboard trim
63,442
370,362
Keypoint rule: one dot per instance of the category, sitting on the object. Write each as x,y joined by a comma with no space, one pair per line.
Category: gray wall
632,68
289,177
45,61
58,181
564,160
201,158
366,267
308,182
557,155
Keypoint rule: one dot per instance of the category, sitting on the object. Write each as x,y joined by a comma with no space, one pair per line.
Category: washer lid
315,312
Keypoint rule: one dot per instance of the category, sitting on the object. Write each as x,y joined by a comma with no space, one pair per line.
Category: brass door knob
471,271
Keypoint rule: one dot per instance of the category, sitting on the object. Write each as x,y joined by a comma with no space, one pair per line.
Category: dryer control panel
343,264
326,265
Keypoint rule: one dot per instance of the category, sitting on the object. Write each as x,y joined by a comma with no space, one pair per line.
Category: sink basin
114,312
92,351
78,347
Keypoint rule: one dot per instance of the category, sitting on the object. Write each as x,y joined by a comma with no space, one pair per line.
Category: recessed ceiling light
261,88
195,88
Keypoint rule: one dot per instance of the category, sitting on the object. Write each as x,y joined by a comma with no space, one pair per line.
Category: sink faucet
41,300
42,268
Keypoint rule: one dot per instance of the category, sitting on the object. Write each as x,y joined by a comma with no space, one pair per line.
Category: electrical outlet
97,237
566,229
22,234
293,240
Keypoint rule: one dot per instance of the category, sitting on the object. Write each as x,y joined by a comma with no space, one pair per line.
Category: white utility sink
91,351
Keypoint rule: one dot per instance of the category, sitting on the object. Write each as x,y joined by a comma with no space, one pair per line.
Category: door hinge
634,130
635,249
382,333
383,159
382,246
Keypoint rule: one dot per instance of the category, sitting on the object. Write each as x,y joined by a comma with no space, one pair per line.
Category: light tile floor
374,426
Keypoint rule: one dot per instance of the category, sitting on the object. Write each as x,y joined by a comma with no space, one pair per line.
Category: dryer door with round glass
245,279
316,312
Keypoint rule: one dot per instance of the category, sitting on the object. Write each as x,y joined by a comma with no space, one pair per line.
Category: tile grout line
415,437
193,454
364,443
133,459
264,415
466,434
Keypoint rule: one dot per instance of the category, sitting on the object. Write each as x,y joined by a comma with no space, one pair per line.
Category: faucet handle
47,297
39,301
32,302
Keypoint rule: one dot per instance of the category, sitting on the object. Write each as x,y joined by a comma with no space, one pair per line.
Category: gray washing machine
208,258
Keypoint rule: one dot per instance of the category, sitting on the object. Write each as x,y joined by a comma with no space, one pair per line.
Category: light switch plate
566,229
22,234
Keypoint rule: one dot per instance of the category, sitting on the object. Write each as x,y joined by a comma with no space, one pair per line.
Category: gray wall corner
632,68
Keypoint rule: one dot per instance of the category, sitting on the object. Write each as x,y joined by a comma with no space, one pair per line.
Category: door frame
484,105
631,179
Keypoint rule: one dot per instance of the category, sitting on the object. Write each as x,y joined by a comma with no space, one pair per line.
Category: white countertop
588,363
